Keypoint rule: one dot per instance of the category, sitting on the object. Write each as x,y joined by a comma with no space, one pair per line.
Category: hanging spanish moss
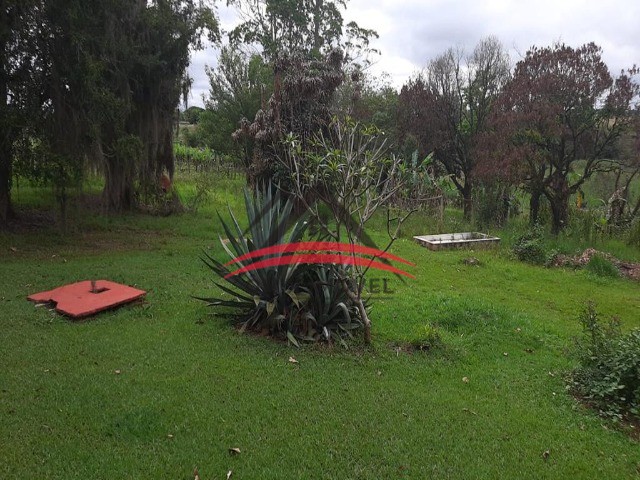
95,84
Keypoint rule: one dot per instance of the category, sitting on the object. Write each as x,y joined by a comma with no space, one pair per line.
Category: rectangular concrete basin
457,240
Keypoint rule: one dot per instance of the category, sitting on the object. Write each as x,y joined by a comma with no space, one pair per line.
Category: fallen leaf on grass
13,249
117,372
229,473
505,354
195,474
234,451
293,360
545,454
465,379
169,436
468,410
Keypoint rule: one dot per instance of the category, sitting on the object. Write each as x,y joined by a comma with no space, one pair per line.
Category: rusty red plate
86,298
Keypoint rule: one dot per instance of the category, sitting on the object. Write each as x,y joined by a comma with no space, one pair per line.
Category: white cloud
412,32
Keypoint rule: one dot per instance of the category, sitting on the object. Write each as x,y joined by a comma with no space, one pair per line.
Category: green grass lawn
190,387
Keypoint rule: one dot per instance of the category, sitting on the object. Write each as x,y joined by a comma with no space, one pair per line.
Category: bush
608,376
493,205
589,225
602,267
633,234
427,338
530,247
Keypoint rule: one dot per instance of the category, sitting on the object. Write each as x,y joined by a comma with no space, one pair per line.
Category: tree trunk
366,320
467,201
6,153
357,299
6,211
534,207
560,214
559,200
118,193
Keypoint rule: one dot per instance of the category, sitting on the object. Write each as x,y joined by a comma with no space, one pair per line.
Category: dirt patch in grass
629,424
626,269
31,220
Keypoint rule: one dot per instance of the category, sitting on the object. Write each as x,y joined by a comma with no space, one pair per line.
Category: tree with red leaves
446,109
561,111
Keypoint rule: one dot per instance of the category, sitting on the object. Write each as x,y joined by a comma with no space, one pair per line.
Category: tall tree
156,78
415,106
297,26
299,106
310,50
102,82
18,21
239,86
562,106
369,99
454,98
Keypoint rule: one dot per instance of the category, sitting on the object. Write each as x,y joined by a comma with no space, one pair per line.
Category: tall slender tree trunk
6,156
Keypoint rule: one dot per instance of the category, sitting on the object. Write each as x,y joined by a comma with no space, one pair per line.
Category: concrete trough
449,241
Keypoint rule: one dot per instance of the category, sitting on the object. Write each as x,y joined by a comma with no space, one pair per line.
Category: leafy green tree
310,50
369,100
240,85
95,81
165,32
191,115
18,72
297,26
300,105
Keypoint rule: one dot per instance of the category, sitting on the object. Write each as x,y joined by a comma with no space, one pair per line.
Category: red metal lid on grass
86,298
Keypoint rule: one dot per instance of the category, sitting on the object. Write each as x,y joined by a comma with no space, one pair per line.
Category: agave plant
265,295
304,302
329,312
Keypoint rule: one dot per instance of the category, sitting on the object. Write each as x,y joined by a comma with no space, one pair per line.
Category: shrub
530,247
602,267
588,224
427,338
493,204
608,376
633,234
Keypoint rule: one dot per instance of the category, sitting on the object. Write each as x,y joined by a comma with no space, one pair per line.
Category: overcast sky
412,32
